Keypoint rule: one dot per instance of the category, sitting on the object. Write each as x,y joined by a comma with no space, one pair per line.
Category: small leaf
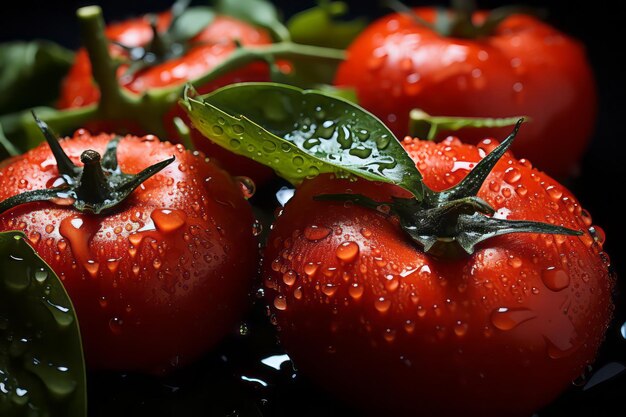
258,12
301,133
41,358
190,23
319,26
31,73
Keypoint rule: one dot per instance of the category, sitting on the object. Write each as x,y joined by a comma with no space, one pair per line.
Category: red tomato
525,67
368,315
161,278
214,44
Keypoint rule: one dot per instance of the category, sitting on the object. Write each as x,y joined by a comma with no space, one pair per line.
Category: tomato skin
153,290
525,68
388,328
215,43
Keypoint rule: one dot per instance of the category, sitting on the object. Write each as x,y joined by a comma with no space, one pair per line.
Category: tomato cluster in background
597,186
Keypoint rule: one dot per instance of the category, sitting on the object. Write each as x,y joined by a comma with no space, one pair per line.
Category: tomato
159,278
368,315
210,47
522,67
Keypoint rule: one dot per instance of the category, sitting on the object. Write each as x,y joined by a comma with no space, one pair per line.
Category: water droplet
310,269
512,175
298,161
329,289
314,232
555,279
61,314
92,267
280,303
257,228
460,328
289,277
115,324
586,217
597,233
41,275
238,129
382,304
168,220
347,251
246,186
506,319
313,171
360,151
355,291
218,130
554,192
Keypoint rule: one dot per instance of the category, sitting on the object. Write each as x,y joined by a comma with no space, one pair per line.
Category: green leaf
319,26
191,22
31,73
42,372
258,12
301,133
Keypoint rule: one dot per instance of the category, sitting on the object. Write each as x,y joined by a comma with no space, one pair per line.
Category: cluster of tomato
160,274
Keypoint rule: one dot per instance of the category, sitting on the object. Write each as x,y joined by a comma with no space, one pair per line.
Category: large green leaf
301,133
31,73
42,371
258,12
320,26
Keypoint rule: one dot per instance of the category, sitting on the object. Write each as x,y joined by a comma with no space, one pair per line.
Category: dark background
598,25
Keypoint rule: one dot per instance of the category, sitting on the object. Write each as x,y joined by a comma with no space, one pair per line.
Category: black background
598,25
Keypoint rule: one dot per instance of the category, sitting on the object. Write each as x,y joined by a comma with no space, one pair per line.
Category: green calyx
458,21
98,186
302,133
452,222
187,22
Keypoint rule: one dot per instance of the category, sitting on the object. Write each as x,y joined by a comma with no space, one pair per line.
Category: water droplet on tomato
382,304
289,277
92,267
115,324
246,186
310,269
280,303
597,233
355,291
554,192
555,279
347,251
314,232
329,289
460,328
512,175
506,319
168,220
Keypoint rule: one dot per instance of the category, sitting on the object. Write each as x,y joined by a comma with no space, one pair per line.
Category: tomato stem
426,127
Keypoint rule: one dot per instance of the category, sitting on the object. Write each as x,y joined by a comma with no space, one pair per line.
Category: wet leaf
301,133
320,26
31,73
42,371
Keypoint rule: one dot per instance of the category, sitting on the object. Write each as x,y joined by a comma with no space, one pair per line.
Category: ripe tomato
160,278
211,46
368,315
523,67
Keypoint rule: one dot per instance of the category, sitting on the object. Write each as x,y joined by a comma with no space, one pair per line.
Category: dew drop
555,279
314,232
506,319
257,228
512,175
355,291
460,328
115,324
246,186
329,289
280,303
289,277
347,251
168,220
382,304
310,269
